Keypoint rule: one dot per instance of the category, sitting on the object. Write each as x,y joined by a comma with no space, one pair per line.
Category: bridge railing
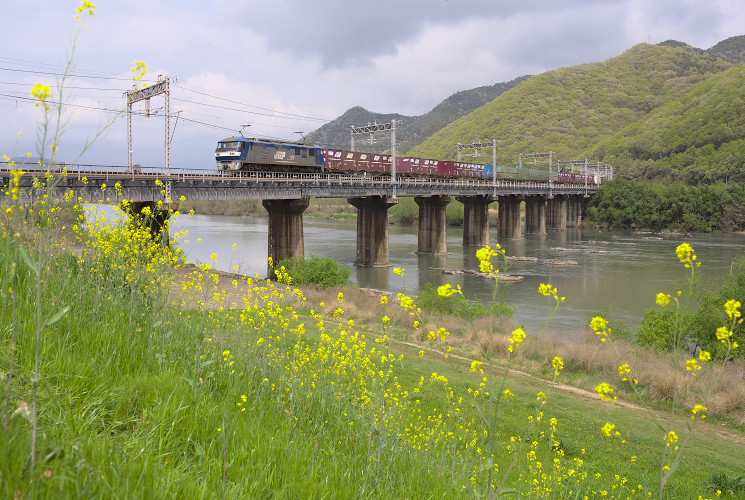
122,172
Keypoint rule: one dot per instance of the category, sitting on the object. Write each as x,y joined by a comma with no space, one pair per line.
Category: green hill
699,137
413,130
732,49
571,110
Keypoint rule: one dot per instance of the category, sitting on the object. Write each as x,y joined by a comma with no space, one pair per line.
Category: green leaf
27,259
508,491
56,317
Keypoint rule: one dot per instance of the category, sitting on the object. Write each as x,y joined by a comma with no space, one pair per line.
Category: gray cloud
343,33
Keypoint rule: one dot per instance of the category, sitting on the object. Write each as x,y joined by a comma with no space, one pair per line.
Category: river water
617,273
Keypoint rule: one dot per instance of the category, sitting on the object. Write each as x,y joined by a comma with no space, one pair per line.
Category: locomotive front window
229,146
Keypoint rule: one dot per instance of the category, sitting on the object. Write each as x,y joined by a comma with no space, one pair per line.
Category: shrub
405,212
458,305
322,272
658,329
711,315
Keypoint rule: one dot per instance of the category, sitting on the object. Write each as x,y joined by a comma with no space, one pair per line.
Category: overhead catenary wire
61,71
253,106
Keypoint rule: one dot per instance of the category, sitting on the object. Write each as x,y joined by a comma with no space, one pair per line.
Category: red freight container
446,169
462,169
353,161
380,163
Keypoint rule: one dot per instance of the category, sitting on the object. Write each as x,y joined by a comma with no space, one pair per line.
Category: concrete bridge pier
433,237
574,211
476,219
148,214
286,237
509,218
372,230
535,214
558,212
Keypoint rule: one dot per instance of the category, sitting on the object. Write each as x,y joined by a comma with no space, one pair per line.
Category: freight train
239,153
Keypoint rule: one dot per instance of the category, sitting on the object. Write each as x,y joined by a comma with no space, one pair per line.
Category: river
617,273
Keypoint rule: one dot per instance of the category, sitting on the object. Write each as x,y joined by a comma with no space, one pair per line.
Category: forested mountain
731,49
571,110
413,129
660,112
699,137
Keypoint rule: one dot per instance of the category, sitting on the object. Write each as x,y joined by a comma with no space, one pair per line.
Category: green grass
457,305
139,398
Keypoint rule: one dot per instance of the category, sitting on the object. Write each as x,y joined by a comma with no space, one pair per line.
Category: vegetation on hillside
569,110
697,138
412,130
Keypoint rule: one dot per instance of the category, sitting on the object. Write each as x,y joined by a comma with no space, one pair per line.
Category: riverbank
226,384
586,359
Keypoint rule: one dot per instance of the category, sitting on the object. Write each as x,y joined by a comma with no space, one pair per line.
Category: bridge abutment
509,218
153,216
286,237
433,237
476,219
535,214
372,230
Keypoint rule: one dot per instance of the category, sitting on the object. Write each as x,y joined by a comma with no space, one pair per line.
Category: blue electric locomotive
240,153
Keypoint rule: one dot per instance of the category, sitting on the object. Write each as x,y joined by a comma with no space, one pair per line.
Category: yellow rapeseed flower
698,409
732,307
558,365
663,299
608,429
605,391
518,336
671,438
42,93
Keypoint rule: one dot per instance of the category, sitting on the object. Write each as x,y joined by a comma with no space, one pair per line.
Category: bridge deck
116,184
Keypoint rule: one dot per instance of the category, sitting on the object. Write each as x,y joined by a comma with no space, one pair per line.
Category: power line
108,110
66,86
24,62
257,107
276,114
68,74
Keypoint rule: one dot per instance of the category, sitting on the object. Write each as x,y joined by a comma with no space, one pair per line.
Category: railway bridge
549,205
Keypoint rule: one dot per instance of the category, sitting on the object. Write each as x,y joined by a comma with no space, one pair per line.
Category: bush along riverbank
676,206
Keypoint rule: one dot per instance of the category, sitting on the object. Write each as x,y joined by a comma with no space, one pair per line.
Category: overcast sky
287,66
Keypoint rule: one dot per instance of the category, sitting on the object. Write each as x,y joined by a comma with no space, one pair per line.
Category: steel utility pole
162,87
370,129
483,145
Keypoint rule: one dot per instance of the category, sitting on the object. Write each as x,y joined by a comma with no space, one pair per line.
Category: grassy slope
135,402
